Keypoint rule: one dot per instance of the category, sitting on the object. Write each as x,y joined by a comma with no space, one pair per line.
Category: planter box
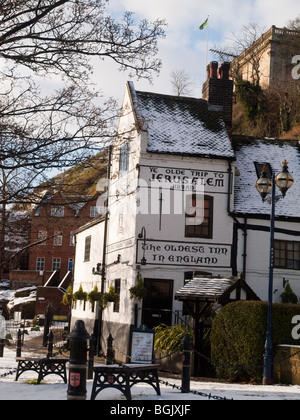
171,363
287,371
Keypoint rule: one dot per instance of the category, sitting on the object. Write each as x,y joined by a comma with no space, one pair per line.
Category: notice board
142,345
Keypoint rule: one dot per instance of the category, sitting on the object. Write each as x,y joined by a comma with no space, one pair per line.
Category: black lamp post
264,186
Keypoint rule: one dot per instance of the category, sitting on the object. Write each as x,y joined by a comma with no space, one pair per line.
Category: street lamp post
264,186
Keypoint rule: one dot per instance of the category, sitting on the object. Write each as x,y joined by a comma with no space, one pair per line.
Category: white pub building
182,204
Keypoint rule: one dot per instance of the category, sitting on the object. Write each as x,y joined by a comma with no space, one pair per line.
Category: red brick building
51,255
54,221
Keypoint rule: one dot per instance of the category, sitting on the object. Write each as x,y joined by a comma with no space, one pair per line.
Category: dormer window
57,211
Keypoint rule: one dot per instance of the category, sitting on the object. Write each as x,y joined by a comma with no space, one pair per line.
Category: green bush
251,97
288,296
239,333
170,339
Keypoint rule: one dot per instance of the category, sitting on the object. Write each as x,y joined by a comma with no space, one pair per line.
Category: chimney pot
213,69
224,70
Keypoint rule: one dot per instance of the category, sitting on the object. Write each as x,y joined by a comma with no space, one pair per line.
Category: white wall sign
185,179
142,347
184,253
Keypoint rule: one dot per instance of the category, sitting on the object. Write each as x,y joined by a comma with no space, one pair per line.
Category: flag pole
206,55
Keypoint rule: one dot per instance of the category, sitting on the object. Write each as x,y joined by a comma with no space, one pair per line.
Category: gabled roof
250,150
179,125
206,289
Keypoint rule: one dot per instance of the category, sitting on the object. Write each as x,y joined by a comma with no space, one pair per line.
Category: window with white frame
72,238
42,236
94,211
40,264
56,263
57,211
58,238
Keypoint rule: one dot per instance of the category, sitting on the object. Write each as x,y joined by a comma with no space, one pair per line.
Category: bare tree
182,83
62,35
245,43
49,38
294,24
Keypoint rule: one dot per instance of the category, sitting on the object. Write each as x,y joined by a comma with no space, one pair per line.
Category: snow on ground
56,389
8,295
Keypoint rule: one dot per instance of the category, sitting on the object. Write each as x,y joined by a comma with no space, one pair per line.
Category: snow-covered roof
207,289
180,125
248,151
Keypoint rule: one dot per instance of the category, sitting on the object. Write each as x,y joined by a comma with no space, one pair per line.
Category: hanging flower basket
139,291
95,296
68,297
111,296
80,294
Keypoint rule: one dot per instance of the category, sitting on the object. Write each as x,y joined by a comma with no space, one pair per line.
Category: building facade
51,249
171,183
182,204
252,216
270,58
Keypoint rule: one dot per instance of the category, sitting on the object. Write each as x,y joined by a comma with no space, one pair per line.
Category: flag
201,27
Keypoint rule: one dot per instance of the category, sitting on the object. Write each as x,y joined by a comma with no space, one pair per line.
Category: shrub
170,339
251,97
239,333
288,296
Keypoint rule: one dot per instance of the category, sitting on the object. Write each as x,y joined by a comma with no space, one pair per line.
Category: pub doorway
158,304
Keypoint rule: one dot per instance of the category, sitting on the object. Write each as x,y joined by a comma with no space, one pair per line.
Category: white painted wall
124,228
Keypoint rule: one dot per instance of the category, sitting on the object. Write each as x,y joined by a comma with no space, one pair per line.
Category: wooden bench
124,377
43,367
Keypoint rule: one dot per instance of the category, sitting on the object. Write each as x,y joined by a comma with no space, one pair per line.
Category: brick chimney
218,90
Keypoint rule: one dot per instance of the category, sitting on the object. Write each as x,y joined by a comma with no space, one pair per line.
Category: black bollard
47,326
186,365
78,339
50,345
19,344
2,341
110,356
2,332
91,356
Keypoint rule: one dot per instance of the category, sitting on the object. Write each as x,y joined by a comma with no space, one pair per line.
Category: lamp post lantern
264,186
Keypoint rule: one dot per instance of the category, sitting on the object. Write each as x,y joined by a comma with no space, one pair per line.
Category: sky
184,47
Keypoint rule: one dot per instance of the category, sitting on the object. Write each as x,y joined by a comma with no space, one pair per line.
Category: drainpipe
103,271
239,225
245,233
